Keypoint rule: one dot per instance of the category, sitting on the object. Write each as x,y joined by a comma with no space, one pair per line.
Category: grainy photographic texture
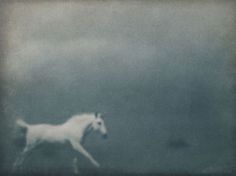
162,73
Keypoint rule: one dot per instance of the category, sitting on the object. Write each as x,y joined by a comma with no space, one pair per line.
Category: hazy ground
162,74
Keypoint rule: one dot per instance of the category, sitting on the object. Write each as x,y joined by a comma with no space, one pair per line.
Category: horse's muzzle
104,136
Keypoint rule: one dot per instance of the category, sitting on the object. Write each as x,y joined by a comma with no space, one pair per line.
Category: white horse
73,130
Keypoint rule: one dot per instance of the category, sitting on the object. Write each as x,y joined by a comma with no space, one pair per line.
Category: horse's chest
75,136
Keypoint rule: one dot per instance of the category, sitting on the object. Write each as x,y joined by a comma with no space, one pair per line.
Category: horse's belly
51,136
58,140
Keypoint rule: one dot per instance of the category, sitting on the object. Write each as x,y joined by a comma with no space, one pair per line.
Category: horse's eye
99,123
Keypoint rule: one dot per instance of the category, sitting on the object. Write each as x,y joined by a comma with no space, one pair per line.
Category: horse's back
47,132
42,128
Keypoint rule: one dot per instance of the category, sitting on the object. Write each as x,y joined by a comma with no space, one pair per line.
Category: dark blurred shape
177,143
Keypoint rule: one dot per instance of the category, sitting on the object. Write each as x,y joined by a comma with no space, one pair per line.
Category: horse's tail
21,123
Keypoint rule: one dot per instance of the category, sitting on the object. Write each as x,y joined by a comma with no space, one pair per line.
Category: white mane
81,117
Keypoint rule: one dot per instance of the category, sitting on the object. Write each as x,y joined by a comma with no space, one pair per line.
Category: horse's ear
96,114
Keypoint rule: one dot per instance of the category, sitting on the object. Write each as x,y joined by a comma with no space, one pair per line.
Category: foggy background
162,74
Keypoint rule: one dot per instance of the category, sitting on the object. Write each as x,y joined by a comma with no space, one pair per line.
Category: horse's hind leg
75,166
20,159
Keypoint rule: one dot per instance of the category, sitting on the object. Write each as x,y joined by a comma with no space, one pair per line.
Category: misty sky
160,72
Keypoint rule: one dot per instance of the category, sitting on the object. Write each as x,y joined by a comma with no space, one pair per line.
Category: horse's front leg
75,166
80,148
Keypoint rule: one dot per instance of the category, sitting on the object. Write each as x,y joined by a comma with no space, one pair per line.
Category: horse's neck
81,129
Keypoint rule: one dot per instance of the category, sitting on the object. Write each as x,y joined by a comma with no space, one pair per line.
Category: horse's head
99,125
